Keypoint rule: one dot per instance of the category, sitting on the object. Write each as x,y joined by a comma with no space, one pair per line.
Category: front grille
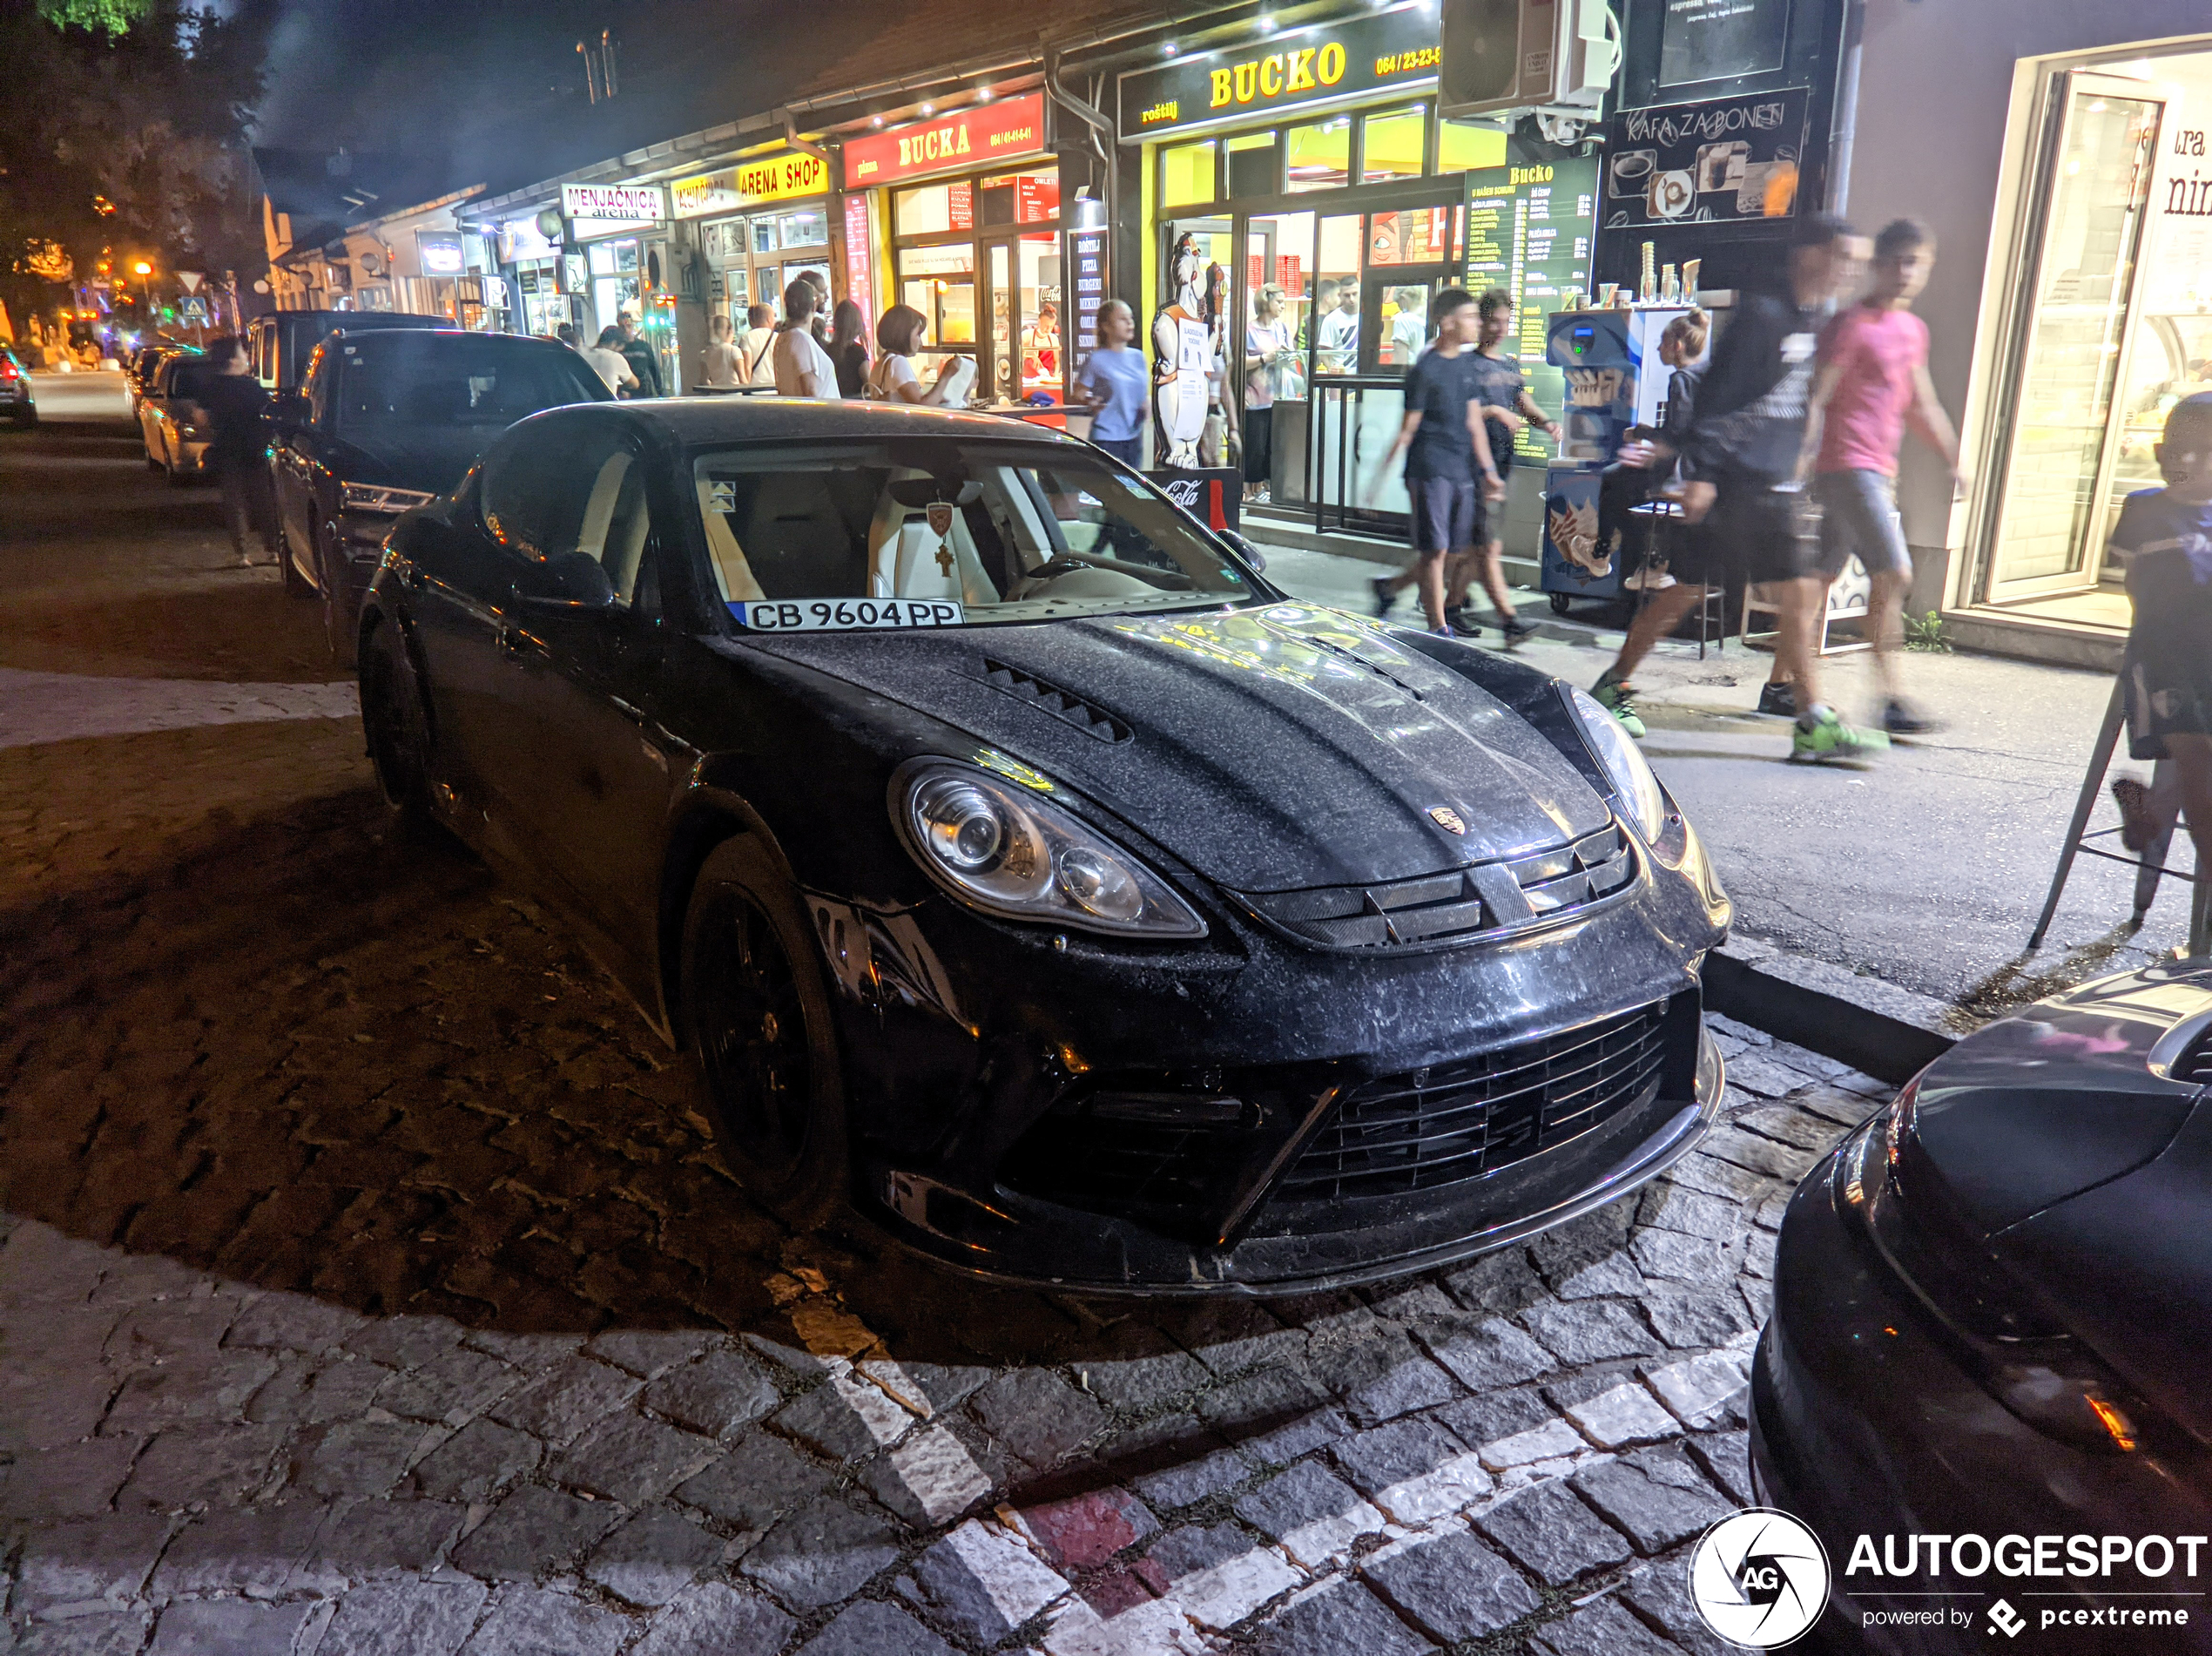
1438,1126
1484,897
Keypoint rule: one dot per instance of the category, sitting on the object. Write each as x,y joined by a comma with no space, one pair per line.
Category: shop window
1021,198
934,208
1394,146
1255,163
803,229
1187,175
1320,156
1404,328
940,282
1461,146
764,234
1413,236
1335,320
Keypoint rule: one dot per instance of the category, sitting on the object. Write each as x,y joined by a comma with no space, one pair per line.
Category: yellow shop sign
780,177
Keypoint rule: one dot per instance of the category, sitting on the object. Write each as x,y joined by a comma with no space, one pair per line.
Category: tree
134,136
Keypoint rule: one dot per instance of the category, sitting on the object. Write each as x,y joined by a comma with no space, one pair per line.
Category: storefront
620,266
969,210
1312,168
762,223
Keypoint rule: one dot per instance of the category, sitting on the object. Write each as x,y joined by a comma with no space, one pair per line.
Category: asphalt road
369,1280
1928,868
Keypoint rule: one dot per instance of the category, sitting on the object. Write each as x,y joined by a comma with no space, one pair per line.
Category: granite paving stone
1338,1617
986,1583
760,1478
559,1405
477,1462
68,1481
547,1623
1591,1331
408,1618
1656,1495
367,1539
355,1457
714,1395
845,1418
1311,1513
533,1532
454,1386
1449,1586
714,1619
930,1477
1601,1627
632,1459
1083,1531
1659,1594
1725,1457
822,1553
227,1627
1038,1414
82,1560
1623,1414
100,1632
653,1557
871,1628
649,1353
1552,1535
1496,1354
250,1550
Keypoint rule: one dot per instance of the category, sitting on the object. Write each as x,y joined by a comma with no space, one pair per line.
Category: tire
397,729
344,647
177,479
295,584
757,1015
1559,603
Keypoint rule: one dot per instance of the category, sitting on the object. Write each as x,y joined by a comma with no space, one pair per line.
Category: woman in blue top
1112,383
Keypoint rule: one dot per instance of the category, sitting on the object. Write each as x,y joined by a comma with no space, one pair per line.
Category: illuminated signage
1311,65
613,203
974,138
769,178
438,251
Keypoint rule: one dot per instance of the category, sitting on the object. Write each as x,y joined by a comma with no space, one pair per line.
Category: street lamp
142,268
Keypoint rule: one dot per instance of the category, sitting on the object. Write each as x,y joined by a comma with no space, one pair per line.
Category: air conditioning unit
1501,57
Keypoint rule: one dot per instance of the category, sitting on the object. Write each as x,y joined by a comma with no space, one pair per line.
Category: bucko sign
1759,1578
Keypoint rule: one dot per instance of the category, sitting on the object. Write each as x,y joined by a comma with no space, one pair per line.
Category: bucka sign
613,203
974,138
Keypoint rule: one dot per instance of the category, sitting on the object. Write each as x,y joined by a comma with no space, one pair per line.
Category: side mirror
288,409
1246,550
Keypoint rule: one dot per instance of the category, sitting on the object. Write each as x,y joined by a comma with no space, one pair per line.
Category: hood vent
2195,1064
1064,705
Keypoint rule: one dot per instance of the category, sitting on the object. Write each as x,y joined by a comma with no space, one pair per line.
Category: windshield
455,382
938,531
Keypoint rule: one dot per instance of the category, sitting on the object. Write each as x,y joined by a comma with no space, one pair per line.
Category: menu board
1088,249
1530,232
1727,158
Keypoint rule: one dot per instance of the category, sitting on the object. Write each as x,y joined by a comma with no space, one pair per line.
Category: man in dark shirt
1742,502
643,359
1501,393
1441,438
239,452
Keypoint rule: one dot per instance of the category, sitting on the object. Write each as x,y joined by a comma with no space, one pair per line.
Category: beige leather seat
907,559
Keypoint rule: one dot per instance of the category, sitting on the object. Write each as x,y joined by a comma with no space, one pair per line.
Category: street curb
1890,1033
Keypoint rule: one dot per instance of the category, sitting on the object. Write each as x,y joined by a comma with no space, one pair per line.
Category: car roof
422,338
701,420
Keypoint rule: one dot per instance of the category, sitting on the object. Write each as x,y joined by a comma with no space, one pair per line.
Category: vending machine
1614,382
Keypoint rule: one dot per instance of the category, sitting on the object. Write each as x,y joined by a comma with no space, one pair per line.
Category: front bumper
1284,1116
1864,1424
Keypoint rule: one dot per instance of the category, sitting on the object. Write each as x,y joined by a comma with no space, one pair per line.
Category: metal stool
1661,516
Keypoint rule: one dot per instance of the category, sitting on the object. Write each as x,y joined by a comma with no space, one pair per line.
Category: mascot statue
1181,347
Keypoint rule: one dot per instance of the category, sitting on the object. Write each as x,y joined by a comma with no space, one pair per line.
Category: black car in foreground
1993,1318
389,420
1023,869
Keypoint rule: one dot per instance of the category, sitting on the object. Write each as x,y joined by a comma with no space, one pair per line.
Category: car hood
2068,1134
1272,748
428,458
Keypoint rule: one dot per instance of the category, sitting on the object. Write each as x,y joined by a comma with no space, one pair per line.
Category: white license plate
844,614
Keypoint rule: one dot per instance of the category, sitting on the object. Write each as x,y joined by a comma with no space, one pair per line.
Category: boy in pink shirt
1871,382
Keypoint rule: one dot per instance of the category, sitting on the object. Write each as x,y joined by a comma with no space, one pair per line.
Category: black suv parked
388,420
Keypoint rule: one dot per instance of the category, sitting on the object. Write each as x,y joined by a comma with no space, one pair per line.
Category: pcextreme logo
1759,1578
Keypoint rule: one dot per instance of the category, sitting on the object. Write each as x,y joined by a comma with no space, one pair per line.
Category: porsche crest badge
1448,818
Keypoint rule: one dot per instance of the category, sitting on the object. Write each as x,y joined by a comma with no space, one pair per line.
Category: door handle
514,644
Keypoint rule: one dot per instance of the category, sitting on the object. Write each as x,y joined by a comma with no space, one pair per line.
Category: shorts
2168,666
1858,514
1755,533
1447,515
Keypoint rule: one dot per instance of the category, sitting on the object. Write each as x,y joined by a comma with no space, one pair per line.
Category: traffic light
1504,55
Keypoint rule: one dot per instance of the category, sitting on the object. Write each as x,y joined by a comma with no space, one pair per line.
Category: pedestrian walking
848,349
1871,382
803,368
237,452
1501,389
720,363
759,346
898,335
1742,503
1112,383
2165,536
610,363
643,359
1267,353
1446,449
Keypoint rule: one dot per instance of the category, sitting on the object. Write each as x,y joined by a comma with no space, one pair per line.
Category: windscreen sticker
844,614
722,497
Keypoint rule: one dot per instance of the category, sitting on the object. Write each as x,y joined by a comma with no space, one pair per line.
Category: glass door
2051,499
1276,299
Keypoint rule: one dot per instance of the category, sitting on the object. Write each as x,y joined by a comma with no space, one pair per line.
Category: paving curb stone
1875,1027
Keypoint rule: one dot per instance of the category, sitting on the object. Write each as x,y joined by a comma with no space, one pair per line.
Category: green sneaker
1621,701
1831,739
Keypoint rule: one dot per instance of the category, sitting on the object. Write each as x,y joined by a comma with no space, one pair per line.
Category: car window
569,494
315,386
191,378
454,382
1008,531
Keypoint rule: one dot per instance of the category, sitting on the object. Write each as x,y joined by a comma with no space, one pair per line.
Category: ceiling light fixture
1267,22
929,109
1168,50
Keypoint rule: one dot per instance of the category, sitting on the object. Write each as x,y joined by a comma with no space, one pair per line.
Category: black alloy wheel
756,1012
398,732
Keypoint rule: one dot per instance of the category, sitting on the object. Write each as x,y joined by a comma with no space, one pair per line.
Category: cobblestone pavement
369,1282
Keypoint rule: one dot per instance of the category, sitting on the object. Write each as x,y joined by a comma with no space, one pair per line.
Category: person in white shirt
607,360
1339,340
720,360
759,347
803,368
897,332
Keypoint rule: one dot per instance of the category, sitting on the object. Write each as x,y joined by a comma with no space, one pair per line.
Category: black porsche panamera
1026,870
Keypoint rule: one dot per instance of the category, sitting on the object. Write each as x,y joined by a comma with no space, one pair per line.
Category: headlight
998,846
362,497
1624,764
188,430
